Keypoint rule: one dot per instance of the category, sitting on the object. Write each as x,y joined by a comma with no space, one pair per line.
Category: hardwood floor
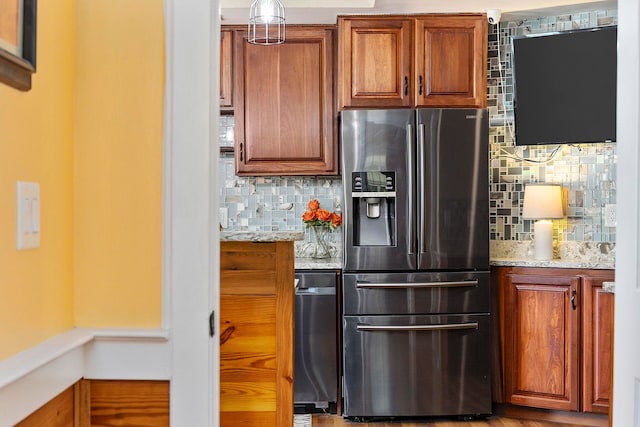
494,421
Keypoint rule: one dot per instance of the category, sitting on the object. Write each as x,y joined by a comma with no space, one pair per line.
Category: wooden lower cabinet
556,337
597,345
256,337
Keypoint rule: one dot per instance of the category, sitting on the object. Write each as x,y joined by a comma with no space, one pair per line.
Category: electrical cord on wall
508,125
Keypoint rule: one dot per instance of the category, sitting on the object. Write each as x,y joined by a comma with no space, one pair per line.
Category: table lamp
542,202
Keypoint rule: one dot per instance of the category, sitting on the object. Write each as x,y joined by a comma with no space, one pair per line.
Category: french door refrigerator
416,291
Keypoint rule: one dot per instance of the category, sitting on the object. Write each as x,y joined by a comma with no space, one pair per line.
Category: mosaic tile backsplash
273,203
586,171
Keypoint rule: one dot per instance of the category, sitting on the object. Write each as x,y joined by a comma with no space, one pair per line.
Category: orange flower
323,215
315,216
336,219
309,216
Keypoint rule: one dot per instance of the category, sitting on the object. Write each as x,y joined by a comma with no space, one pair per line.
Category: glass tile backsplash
273,203
586,171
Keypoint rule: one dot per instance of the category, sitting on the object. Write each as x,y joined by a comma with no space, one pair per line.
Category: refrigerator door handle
452,284
396,328
420,217
411,224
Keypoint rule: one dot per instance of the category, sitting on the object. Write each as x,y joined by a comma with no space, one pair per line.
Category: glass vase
320,243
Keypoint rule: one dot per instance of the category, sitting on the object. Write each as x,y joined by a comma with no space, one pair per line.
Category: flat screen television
565,87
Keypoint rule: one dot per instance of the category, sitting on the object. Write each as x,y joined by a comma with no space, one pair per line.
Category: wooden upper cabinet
451,57
285,105
376,62
226,70
541,341
412,61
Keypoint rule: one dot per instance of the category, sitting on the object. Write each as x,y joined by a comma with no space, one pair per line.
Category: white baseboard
33,377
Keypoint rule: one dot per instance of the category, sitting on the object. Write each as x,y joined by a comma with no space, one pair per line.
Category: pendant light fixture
266,22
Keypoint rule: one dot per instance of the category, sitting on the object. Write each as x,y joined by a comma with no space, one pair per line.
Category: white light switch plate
28,224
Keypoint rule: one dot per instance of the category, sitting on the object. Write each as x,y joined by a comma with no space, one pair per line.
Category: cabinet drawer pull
420,85
573,299
406,86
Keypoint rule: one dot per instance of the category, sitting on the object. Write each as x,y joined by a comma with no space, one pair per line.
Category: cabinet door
226,70
284,105
451,61
597,344
375,62
541,341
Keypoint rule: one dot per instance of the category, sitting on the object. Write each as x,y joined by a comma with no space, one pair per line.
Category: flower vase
319,242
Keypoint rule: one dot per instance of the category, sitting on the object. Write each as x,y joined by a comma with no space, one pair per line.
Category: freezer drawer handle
395,328
458,284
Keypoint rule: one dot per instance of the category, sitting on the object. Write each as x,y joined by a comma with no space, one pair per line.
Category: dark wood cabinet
375,60
226,70
541,341
412,61
451,57
285,105
597,344
556,328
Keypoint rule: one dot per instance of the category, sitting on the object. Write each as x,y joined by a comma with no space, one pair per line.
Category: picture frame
18,42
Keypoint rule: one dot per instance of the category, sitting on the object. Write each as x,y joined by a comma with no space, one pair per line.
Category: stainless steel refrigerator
416,292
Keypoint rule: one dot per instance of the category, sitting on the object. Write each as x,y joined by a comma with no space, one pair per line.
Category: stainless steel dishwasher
315,386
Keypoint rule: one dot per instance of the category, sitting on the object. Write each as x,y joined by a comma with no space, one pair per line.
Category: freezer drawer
416,365
416,293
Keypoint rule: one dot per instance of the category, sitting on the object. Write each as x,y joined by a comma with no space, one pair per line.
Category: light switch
28,203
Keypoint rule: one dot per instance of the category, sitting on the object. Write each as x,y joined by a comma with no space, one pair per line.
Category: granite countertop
554,263
302,263
585,255
260,236
588,255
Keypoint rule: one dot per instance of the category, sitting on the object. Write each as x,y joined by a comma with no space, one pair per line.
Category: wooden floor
494,421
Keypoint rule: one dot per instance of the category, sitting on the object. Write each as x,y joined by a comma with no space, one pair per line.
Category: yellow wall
90,132
119,84
36,144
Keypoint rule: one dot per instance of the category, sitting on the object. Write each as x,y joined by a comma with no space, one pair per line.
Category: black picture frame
16,70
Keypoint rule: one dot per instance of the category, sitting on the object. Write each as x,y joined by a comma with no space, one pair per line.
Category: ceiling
325,11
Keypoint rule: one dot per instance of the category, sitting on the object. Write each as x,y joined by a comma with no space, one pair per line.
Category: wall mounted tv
565,87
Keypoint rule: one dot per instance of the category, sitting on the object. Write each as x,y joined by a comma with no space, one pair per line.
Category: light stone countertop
587,255
260,236
318,264
554,263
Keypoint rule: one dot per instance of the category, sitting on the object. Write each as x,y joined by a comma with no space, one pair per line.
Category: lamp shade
542,201
266,22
